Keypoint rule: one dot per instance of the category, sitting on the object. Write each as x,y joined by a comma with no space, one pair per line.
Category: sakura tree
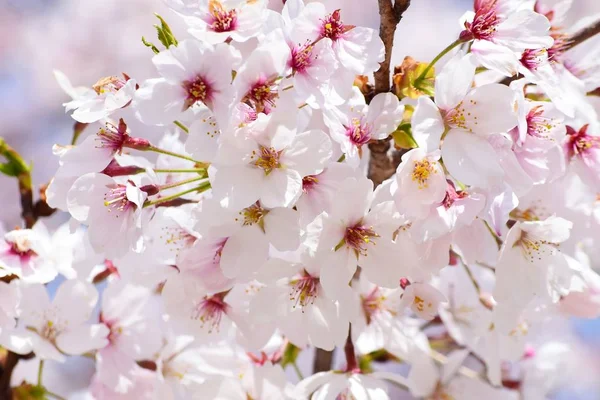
433,225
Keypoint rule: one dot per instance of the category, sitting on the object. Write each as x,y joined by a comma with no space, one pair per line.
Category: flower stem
54,395
170,153
435,60
182,126
297,369
40,370
181,183
199,189
191,170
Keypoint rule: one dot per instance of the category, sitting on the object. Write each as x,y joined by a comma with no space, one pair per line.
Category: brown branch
9,363
382,165
583,35
323,360
390,15
351,362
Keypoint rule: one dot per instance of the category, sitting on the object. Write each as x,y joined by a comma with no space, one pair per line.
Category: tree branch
382,165
323,360
390,15
577,38
584,34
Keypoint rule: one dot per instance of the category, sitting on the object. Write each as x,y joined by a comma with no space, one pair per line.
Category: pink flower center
580,143
210,312
532,59
21,248
112,137
220,19
262,95
309,182
116,200
332,26
198,90
452,195
485,21
304,290
357,237
302,58
537,124
358,132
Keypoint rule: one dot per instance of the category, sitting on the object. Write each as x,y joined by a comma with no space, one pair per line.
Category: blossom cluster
252,230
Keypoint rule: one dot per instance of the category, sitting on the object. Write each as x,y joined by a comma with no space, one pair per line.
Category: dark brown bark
383,163
323,360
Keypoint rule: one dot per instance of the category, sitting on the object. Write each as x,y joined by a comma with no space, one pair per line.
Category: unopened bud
404,283
151,190
114,169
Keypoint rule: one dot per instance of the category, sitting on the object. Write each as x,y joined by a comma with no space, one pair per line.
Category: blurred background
89,39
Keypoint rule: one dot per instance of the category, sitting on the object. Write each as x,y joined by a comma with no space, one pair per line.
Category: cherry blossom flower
133,335
215,21
423,299
582,150
498,26
272,164
191,78
112,211
109,94
26,253
355,124
305,313
355,232
53,328
465,113
530,265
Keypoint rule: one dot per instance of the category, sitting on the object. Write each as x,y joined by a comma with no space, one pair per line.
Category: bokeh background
89,39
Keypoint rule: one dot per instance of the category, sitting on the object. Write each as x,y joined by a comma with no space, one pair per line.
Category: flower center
537,124
221,20
579,142
253,215
112,137
533,248
532,59
309,182
210,312
109,84
560,45
332,26
452,195
304,290
197,91
301,57
267,158
357,132
457,117
374,303
484,24
262,95
357,237
20,245
422,170
116,200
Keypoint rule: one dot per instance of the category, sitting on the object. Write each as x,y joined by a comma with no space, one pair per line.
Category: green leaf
151,45
15,165
290,354
165,35
403,138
